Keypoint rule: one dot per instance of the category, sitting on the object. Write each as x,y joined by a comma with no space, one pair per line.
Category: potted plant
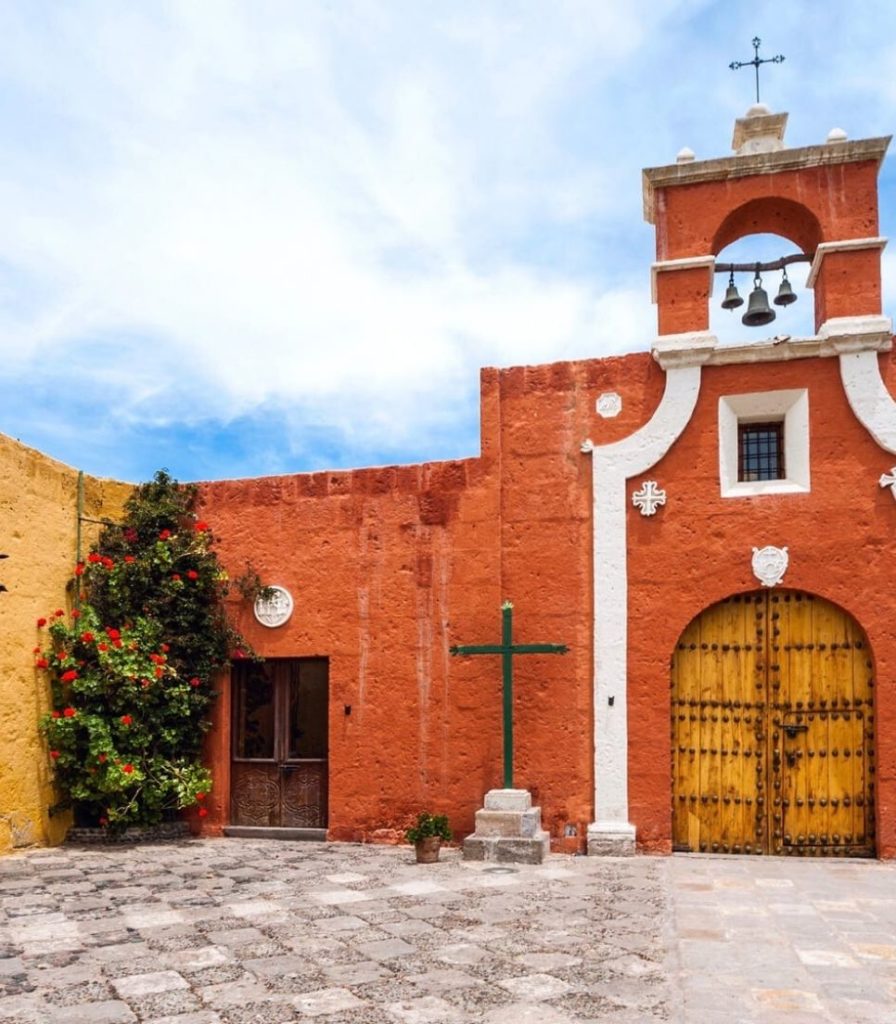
427,835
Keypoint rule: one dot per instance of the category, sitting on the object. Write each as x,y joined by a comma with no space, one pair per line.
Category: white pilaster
612,465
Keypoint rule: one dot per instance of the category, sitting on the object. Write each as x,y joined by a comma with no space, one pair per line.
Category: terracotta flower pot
428,849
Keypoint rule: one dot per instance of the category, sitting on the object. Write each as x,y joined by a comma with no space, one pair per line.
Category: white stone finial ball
836,135
758,110
685,155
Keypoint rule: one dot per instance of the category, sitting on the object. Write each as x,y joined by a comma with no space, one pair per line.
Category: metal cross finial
755,62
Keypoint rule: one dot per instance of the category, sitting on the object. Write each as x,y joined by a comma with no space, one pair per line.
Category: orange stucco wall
697,550
390,567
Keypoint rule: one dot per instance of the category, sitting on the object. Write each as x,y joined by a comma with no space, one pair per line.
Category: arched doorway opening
773,729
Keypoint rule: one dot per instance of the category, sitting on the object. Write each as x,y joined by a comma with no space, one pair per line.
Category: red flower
164,535
108,563
145,682
166,648
59,613
116,643
127,720
101,758
192,574
129,559
69,712
130,535
87,638
41,663
79,569
75,613
159,672
70,676
93,557
57,714
201,526
194,681
202,812
54,754
200,796
239,653
41,623
175,576
157,659
104,822
127,768
102,647
112,633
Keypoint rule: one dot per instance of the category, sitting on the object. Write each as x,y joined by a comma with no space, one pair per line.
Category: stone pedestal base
508,830
611,839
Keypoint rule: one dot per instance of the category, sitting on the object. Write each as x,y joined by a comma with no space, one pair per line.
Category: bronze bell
785,293
732,297
758,311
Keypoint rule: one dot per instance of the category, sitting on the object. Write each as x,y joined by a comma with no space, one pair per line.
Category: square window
764,443
760,448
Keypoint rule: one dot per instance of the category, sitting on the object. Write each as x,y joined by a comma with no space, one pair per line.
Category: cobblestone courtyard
252,932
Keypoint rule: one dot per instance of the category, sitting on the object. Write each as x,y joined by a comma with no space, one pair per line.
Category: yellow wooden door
772,729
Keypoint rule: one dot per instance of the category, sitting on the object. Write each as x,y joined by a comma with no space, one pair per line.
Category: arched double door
773,729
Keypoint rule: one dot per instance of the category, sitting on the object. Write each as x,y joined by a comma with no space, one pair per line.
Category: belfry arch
772,724
774,215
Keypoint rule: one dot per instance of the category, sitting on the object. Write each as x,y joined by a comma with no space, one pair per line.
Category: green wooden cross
507,648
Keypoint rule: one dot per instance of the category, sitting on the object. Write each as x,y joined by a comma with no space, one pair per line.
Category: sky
244,237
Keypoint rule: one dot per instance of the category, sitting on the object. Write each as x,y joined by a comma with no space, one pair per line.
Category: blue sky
242,238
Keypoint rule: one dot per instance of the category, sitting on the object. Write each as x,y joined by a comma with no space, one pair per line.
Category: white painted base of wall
611,839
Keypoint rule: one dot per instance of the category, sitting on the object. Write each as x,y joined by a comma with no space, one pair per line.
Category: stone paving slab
247,931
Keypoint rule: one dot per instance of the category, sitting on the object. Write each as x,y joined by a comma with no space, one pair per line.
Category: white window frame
790,407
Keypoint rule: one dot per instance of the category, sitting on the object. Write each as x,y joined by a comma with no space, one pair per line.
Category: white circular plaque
276,609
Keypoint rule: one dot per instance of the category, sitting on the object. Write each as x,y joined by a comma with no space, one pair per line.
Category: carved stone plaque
275,609
769,565
609,404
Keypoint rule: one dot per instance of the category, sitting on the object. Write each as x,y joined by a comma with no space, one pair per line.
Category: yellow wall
38,531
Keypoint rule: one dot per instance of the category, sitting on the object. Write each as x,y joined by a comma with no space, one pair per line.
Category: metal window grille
760,451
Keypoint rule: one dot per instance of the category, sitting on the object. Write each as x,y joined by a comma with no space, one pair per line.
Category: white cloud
336,211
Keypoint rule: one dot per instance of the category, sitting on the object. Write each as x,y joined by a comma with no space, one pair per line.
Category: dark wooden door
279,770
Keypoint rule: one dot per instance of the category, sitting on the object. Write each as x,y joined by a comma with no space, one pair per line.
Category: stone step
508,800
512,824
504,850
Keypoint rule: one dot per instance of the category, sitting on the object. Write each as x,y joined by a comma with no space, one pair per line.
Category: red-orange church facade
708,528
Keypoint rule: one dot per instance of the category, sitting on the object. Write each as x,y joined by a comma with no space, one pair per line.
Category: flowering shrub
130,666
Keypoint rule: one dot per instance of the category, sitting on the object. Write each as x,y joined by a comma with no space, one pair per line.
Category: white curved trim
612,465
868,396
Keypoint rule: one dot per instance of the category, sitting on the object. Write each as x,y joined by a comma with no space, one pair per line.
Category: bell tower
823,198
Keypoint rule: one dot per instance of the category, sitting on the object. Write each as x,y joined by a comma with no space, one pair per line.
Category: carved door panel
772,729
279,769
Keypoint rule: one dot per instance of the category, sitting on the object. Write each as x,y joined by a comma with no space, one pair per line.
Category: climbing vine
131,664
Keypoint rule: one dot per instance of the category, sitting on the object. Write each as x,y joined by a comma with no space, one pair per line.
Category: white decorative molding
688,263
612,465
609,404
770,564
586,446
868,397
649,498
790,407
889,480
692,348
274,609
846,245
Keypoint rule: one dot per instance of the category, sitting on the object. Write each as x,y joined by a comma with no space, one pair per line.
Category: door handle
792,730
